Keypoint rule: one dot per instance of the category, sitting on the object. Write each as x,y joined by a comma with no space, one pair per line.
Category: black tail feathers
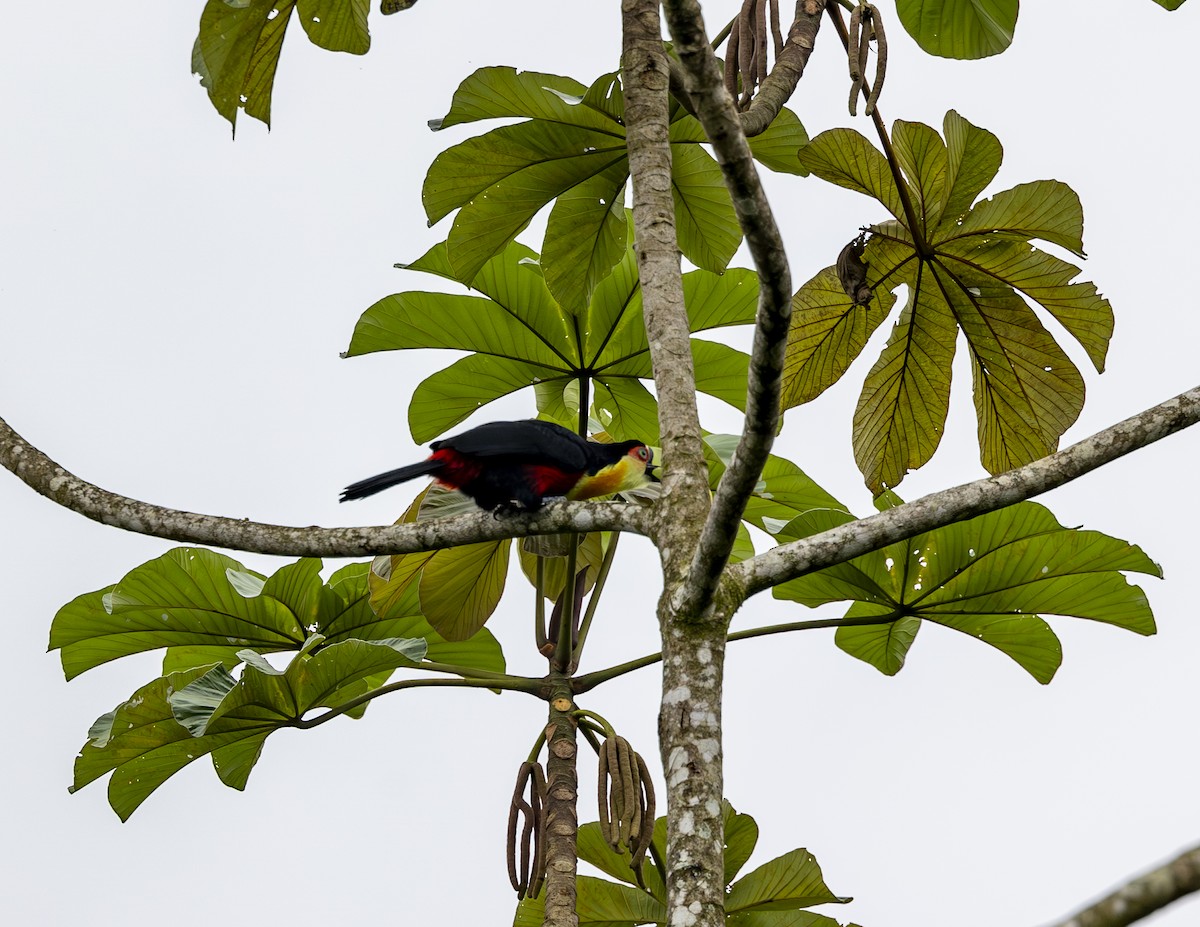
382,481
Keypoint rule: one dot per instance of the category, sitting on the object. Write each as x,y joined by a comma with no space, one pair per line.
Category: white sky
173,308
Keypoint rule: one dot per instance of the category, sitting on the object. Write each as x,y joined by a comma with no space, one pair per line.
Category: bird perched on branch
516,466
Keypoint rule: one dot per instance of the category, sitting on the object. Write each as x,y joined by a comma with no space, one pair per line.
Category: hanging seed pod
749,43
527,854
865,26
625,799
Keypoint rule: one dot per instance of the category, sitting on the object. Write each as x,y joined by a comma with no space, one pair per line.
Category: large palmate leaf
969,268
521,336
991,577
212,614
773,895
237,50
204,607
183,716
960,28
967,28
570,148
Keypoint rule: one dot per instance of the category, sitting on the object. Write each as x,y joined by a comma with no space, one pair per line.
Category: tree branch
644,81
42,474
589,681
511,683
722,124
1142,896
959,503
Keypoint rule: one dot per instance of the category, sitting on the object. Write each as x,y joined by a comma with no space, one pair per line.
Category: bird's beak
650,468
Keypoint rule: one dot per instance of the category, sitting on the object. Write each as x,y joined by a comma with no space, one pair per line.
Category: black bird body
518,465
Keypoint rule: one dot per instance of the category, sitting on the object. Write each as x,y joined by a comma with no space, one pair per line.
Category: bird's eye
643,453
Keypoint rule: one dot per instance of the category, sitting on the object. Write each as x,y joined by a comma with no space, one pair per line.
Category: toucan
516,466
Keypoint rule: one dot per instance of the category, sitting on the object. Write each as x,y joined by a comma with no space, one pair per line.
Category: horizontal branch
1143,895
959,503
589,681
42,474
510,683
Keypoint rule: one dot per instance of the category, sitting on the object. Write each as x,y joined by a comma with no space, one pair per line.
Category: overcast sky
173,305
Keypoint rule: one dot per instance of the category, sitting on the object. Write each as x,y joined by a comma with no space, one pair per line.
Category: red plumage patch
457,471
550,481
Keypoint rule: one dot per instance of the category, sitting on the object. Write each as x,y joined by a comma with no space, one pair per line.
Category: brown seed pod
866,26
626,804
528,876
754,29
645,828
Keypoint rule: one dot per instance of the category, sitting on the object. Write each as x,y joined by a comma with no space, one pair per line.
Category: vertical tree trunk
693,638
689,732
562,817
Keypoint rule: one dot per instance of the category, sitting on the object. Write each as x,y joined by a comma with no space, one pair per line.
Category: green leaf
522,337
594,849
183,598
845,157
1047,281
446,398
973,156
884,646
1170,4
177,719
780,919
901,411
357,620
236,54
586,229
779,146
960,28
1045,209
721,371
143,745
626,409
922,156
514,282
554,569
968,268
827,334
531,912
705,223
1027,391
497,92
606,903
571,146
720,300
741,836
991,577
190,596
460,587
449,321
791,881
503,178
336,25
783,493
